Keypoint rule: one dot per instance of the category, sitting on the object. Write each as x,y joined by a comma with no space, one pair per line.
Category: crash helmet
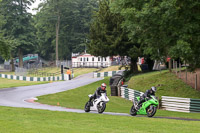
153,89
103,86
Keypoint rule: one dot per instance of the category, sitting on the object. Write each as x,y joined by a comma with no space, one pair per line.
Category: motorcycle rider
99,90
147,94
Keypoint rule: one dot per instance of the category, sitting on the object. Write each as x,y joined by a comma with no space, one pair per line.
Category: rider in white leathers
98,92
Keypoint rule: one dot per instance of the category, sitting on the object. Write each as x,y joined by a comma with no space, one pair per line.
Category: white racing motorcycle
98,104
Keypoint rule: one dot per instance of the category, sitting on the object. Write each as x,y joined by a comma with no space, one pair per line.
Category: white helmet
103,86
153,89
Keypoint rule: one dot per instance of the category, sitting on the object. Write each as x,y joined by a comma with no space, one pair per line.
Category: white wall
88,60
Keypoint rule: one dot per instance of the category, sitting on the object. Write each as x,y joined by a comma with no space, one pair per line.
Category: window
81,59
98,58
87,59
92,58
105,58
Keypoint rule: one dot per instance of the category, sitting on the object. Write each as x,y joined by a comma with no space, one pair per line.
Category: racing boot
138,107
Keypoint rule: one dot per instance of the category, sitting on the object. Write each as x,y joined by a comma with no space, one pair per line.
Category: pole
179,68
170,66
176,67
185,72
195,81
61,69
57,30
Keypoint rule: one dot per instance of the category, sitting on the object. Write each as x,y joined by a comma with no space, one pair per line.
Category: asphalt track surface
24,96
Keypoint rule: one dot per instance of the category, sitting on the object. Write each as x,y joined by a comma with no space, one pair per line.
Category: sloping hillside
167,84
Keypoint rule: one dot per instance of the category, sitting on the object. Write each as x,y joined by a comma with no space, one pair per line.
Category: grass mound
167,85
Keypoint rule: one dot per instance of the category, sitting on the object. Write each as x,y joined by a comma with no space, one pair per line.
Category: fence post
170,66
176,68
199,84
186,75
179,68
195,81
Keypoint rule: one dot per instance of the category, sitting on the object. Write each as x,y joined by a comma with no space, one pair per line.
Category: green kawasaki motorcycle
148,108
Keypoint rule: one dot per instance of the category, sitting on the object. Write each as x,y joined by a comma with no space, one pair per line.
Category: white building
88,60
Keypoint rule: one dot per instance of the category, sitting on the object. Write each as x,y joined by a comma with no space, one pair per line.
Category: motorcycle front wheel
87,107
133,111
101,108
151,110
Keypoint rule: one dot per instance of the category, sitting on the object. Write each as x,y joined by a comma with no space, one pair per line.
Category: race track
24,96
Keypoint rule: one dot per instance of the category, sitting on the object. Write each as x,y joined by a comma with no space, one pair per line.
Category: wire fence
43,72
37,68
65,63
1,66
21,71
37,72
190,78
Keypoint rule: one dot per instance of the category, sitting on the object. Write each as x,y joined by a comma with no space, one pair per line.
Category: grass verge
77,98
8,83
18,120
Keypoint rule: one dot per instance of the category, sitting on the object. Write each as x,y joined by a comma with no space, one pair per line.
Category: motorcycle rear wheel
133,111
151,111
101,108
87,107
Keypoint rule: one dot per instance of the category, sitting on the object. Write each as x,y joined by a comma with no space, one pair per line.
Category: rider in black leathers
148,93
98,92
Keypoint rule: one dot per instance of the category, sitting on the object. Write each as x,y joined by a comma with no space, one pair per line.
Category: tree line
154,29
60,26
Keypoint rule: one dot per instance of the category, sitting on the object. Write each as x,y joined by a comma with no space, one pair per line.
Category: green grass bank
167,84
20,120
77,98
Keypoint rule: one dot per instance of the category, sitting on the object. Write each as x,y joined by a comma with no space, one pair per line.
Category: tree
74,17
164,28
18,28
108,38
4,48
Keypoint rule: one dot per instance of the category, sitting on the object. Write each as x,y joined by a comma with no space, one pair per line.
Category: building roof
82,55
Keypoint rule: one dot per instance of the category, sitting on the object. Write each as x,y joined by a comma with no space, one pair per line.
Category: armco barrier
180,104
195,105
105,74
176,104
52,78
130,94
168,103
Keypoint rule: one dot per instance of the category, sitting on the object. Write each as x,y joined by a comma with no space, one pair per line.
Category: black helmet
153,89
